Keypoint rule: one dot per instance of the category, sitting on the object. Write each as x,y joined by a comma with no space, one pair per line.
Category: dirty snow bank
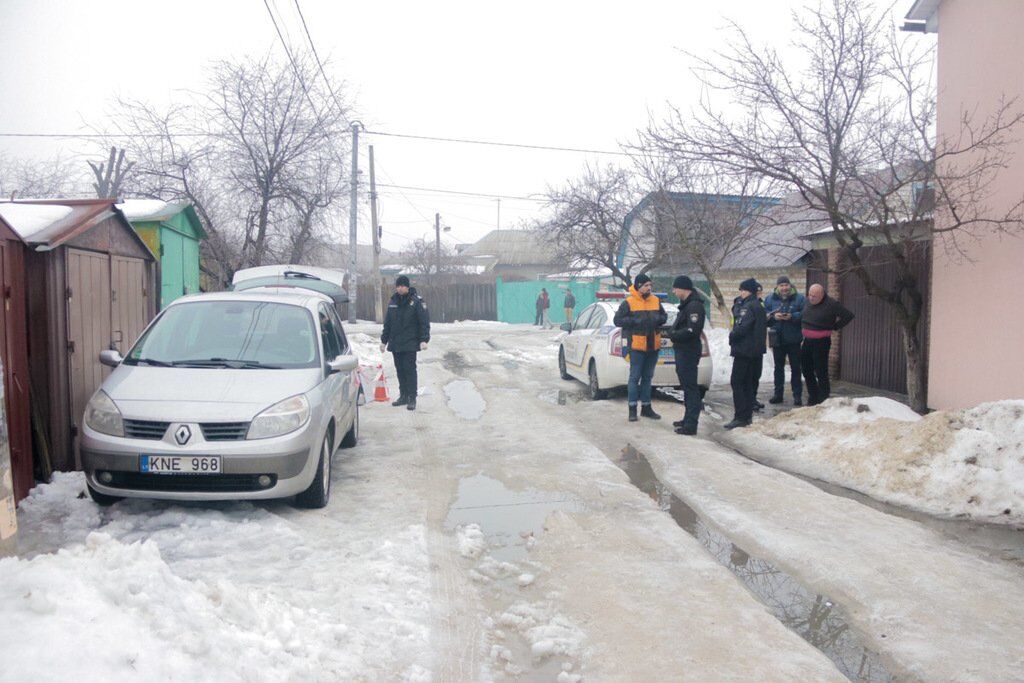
960,464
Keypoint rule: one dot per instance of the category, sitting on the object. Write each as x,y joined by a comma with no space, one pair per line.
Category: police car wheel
595,390
561,364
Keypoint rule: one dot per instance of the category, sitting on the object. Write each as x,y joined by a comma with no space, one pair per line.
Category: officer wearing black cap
686,340
406,332
747,342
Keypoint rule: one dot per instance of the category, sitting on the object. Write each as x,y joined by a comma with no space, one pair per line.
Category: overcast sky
576,74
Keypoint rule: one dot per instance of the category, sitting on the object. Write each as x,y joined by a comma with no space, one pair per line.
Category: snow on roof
34,222
513,248
150,209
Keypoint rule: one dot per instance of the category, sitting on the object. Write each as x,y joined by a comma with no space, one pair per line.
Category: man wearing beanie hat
747,345
640,316
785,307
406,332
685,335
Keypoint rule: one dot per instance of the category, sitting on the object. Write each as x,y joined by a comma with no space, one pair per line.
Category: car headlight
102,415
279,419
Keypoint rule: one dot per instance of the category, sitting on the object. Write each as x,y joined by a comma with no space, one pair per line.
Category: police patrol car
592,351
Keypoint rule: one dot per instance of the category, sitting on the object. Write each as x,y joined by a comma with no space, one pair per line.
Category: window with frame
332,347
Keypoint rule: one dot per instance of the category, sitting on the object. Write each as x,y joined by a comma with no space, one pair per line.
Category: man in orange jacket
640,316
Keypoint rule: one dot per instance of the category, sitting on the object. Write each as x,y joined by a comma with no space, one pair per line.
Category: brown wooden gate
129,302
871,351
13,337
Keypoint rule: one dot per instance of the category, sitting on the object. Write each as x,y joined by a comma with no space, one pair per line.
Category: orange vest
638,303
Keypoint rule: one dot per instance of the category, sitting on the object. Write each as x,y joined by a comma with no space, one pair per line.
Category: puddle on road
507,518
464,399
453,361
561,397
812,616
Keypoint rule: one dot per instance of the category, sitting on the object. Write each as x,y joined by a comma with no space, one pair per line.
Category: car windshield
229,334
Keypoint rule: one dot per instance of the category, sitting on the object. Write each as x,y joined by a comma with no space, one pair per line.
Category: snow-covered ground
967,464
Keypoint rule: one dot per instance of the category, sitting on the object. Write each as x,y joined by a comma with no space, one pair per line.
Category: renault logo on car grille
182,434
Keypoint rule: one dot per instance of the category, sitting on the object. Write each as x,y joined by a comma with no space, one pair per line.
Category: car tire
593,386
319,492
102,499
352,435
561,364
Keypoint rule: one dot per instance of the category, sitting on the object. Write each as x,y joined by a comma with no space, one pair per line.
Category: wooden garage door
128,301
89,326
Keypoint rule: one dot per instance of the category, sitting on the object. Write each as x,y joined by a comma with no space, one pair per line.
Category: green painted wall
175,243
517,300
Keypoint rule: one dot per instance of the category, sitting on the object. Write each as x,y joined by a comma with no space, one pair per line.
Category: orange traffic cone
380,393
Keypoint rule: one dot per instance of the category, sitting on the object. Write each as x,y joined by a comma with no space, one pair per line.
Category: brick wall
729,282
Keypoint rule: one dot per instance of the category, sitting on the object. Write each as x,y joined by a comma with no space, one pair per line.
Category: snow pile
464,399
123,608
547,632
471,541
967,464
718,340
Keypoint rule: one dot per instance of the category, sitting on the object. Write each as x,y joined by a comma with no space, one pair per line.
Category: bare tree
110,176
311,191
268,124
57,177
421,254
847,129
588,227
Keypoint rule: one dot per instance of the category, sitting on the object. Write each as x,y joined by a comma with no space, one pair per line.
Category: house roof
159,211
513,248
47,223
926,13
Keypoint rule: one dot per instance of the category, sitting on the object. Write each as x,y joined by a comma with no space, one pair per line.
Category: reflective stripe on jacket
640,319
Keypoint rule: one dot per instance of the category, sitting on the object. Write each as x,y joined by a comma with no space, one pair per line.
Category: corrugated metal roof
513,248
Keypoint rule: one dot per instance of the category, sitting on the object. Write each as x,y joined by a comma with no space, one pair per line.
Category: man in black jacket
685,336
747,340
821,317
406,332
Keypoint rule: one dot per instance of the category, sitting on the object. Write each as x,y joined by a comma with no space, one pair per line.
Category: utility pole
437,230
378,303
499,213
353,212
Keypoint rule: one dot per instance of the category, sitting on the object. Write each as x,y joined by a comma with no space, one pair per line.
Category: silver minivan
226,396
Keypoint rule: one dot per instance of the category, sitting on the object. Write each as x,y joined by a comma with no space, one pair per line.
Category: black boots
737,423
402,400
408,401
776,399
411,403
686,431
647,411
632,414
797,401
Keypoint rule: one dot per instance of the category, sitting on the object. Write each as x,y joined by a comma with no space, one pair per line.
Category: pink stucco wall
977,327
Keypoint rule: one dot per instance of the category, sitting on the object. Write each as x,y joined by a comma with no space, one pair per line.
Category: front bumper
290,461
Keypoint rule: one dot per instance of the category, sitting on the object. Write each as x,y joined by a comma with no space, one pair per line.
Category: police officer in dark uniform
406,332
686,340
747,342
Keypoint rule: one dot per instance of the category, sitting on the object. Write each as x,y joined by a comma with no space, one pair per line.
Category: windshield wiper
226,363
153,361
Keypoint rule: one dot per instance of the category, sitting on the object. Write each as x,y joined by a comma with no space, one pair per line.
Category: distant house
337,256
514,255
172,231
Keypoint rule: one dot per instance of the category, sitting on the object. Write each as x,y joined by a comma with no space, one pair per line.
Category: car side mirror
346,363
110,358
566,327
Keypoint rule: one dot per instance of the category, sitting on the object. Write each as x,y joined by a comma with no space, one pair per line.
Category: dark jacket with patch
747,338
689,324
788,330
407,323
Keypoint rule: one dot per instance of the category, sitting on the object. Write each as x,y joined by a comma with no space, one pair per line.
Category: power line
459,192
319,63
516,145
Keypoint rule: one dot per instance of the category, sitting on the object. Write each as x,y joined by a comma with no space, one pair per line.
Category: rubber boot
647,411
411,403
632,414
402,400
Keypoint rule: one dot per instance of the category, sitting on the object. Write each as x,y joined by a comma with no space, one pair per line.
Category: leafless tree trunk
110,176
849,135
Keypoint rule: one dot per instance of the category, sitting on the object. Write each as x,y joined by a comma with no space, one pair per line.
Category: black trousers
405,368
539,318
744,383
758,368
814,364
687,361
781,354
